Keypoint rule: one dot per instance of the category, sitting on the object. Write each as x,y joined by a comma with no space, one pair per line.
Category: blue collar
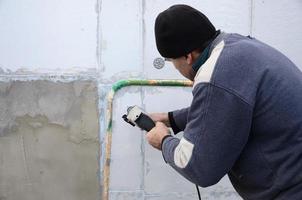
202,58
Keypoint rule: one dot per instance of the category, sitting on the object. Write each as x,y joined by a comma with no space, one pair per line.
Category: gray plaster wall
49,145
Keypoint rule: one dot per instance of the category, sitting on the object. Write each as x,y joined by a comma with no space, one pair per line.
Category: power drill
136,117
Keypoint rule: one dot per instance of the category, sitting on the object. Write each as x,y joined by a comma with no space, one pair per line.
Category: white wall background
113,40
48,35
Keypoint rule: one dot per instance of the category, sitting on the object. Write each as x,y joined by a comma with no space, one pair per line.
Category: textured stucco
48,140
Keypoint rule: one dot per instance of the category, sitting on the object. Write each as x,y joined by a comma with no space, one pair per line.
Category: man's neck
201,59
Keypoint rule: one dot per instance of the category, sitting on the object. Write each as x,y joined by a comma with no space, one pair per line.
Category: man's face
182,65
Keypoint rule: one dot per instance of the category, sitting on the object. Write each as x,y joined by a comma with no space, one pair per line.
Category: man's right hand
160,117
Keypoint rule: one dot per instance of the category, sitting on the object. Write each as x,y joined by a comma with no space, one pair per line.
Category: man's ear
189,58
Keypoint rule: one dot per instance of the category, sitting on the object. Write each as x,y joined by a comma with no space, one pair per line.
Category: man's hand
156,135
160,117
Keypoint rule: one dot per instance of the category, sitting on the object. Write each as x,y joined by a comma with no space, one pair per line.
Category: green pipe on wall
108,137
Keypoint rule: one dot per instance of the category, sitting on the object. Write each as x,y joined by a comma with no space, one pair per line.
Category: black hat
181,29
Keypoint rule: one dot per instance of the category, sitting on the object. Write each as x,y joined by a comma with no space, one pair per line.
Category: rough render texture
48,140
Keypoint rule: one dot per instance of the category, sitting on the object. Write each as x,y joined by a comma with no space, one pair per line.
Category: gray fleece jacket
245,120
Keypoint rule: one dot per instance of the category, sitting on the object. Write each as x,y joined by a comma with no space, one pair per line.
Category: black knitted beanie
181,29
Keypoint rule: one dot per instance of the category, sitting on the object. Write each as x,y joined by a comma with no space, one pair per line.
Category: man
245,119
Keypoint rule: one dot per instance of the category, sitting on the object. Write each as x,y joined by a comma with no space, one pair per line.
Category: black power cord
198,192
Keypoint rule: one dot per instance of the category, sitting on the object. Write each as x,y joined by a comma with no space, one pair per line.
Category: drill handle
145,122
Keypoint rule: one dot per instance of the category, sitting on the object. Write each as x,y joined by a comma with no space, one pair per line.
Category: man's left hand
156,135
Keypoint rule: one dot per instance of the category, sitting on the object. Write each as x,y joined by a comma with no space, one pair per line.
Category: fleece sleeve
178,119
217,129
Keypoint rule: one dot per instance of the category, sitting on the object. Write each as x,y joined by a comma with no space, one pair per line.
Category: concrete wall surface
48,140
58,61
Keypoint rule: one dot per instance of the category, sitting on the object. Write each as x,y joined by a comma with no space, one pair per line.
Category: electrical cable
198,192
